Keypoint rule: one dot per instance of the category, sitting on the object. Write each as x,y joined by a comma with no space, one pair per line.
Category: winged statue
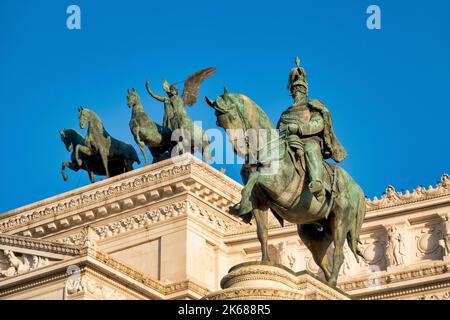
176,117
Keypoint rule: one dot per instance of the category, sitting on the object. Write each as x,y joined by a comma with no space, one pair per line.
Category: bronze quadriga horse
98,142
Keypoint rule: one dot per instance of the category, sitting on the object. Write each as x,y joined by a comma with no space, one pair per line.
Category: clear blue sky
387,89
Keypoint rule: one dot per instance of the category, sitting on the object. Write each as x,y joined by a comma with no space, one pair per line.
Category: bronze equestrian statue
324,201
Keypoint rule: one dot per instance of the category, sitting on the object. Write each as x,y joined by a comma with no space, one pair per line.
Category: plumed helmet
297,76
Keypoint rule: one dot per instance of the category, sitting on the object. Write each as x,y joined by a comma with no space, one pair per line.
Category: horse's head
237,114
228,110
132,98
83,117
66,139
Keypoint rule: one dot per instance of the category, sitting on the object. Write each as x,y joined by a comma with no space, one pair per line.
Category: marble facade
163,232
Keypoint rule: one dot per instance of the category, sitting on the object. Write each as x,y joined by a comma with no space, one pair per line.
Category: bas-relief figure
395,248
12,264
321,198
286,255
193,138
446,234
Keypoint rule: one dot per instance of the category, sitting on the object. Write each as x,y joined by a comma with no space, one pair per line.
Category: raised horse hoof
239,211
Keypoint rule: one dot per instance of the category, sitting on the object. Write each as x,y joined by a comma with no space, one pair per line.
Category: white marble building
163,232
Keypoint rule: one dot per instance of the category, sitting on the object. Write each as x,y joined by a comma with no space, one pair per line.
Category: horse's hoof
234,210
65,177
332,283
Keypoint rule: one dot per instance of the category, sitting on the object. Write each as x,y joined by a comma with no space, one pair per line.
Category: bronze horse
285,190
148,133
98,142
92,164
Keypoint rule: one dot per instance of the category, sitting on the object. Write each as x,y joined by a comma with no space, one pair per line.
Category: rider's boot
315,170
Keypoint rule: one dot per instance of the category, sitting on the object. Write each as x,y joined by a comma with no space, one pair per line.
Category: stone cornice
39,245
407,292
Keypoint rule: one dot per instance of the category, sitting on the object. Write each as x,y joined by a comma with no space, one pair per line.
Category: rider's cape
332,147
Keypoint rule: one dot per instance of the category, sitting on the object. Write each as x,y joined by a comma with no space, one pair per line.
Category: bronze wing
192,85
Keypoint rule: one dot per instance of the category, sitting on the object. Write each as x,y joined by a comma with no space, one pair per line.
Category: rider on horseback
308,129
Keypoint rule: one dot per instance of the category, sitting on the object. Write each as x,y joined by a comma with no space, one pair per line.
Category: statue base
271,281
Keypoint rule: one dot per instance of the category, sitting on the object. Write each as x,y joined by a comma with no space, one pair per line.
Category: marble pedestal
271,281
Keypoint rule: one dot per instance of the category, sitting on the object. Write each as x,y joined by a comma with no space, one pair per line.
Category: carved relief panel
426,243
12,264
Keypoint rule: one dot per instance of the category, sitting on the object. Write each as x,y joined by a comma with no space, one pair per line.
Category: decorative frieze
38,244
13,264
383,278
83,285
101,195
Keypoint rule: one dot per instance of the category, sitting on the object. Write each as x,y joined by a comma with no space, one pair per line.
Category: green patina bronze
98,143
190,136
321,198
92,163
148,133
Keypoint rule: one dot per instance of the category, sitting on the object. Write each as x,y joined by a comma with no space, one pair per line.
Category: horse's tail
355,229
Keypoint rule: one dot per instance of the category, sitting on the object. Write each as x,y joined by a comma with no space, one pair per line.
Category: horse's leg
317,242
91,176
206,148
262,231
63,170
339,229
104,156
141,145
72,166
83,149
128,165
246,193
